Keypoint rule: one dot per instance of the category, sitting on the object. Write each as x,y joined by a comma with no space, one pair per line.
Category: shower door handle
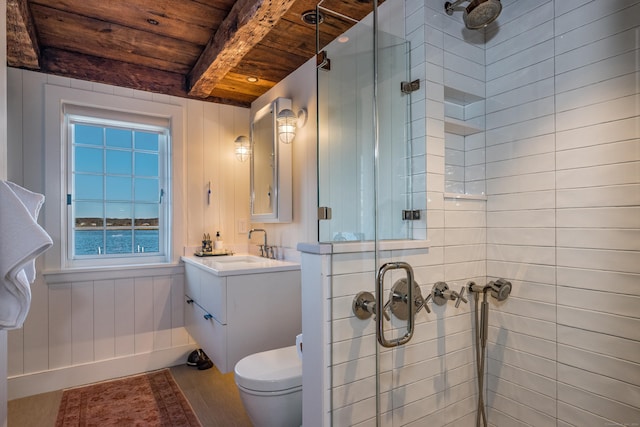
380,306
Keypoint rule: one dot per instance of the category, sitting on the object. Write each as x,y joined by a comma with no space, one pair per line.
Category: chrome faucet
264,248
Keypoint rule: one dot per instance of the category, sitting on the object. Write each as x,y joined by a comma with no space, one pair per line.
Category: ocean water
93,242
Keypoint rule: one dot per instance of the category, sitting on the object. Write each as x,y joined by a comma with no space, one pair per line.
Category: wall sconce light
286,126
288,121
242,148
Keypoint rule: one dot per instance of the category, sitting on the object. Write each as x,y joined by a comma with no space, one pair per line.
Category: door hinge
322,61
408,87
68,199
324,213
410,215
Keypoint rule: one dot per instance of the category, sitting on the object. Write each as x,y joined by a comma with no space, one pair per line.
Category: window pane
118,188
85,134
88,214
119,241
88,187
146,164
118,214
146,141
147,215
147,190
88,160
89,242
119,138
119,162
146,241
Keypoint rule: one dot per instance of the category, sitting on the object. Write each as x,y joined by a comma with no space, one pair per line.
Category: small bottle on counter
218,244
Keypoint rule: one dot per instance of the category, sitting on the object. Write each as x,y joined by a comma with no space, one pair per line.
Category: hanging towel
21,241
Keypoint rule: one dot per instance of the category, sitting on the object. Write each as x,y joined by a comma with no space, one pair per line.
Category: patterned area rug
151,399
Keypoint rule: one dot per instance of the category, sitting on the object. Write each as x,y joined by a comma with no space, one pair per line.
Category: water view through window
116,190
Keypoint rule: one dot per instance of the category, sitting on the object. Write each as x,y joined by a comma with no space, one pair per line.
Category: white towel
21,241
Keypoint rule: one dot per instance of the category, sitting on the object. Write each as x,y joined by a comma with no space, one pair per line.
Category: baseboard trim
72,376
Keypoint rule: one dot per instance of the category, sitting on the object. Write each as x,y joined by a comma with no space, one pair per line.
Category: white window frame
135,104
106,118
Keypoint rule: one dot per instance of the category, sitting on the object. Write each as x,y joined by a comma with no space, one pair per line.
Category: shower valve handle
423,303
460,297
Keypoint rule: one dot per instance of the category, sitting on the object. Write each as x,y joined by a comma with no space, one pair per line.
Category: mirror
270,167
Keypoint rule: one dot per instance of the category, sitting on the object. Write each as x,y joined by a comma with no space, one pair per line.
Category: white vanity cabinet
234,313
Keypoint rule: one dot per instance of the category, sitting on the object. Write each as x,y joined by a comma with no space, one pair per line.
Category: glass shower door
365,182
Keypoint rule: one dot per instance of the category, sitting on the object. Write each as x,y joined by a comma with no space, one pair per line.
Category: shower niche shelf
464,127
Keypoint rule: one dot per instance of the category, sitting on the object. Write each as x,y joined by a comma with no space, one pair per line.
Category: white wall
86,327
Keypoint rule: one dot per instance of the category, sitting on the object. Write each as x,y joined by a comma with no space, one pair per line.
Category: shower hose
482,322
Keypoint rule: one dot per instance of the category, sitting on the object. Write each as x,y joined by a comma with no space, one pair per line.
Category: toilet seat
270,371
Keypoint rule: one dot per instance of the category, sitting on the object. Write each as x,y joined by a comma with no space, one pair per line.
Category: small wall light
286,126
243,148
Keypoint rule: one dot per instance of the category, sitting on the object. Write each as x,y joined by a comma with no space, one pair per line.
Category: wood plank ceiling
204,49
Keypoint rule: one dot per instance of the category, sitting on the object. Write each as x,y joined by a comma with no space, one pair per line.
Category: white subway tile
536,401
538,200
622,173
608,388
603,301
615,66
625,261
521,360
538,328
521,165
523,377
521,183
598,155
544,274
618,195
593,403
613,281
617,239
623,327
614,217
544,255
520,60
595,93
571,416
597,51
600,364
594,21
605,344
520,78
601,133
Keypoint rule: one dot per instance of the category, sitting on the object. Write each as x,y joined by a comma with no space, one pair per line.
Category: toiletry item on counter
218,244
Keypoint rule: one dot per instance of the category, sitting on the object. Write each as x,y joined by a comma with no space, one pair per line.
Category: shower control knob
460,297
423,303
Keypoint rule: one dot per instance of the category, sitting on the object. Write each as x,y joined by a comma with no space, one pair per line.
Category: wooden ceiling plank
22,43
248,22
68,31
191,22
117,73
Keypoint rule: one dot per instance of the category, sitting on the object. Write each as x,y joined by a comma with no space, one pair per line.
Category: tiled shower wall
561,221
563,216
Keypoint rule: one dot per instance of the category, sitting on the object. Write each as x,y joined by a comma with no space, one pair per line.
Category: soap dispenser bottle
218,243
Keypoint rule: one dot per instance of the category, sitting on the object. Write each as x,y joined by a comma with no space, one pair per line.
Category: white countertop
233,265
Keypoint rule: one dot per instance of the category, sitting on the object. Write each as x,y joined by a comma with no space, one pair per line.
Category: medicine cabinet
271,180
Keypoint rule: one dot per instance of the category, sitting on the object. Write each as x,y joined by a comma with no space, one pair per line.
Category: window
117,188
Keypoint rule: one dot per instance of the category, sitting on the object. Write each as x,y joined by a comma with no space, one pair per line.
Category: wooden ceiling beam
22,43
248,22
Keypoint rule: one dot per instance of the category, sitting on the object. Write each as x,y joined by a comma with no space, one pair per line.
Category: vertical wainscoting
102,325
85,327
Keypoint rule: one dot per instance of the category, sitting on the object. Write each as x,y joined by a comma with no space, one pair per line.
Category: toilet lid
272,370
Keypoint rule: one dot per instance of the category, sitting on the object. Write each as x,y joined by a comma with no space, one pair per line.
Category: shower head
478,14
500,289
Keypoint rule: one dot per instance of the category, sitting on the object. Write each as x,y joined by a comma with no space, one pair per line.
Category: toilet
270,385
